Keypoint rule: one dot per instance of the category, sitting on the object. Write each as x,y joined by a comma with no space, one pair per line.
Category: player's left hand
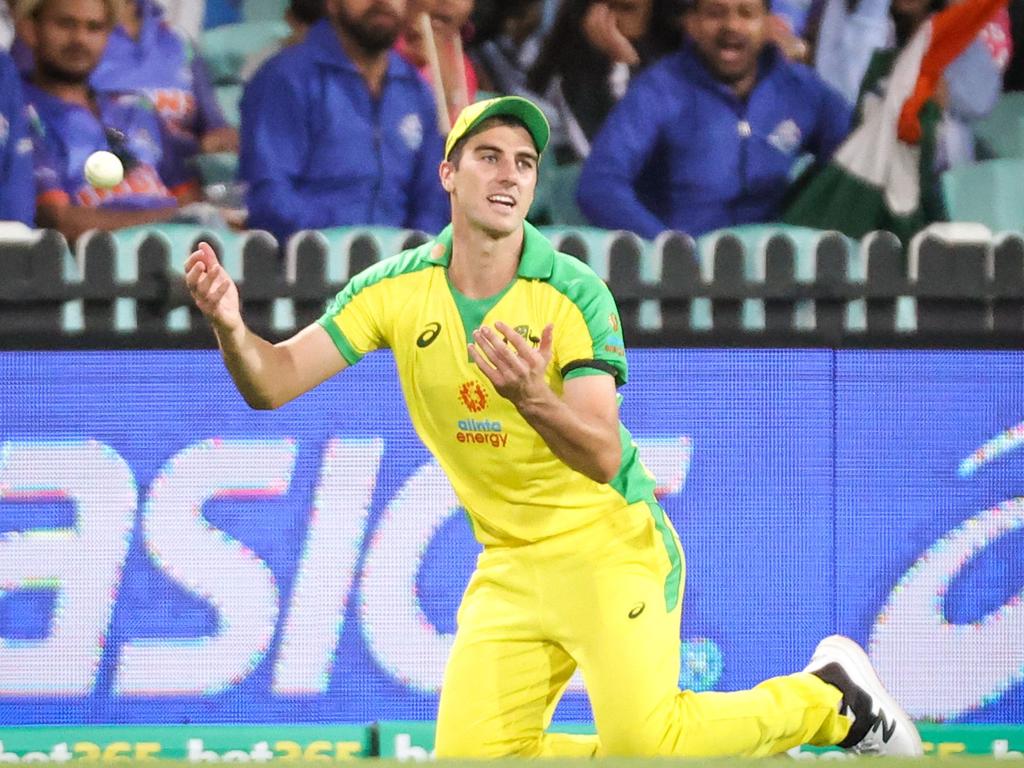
515,368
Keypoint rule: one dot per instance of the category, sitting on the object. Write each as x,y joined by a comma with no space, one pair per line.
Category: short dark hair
32,9
307,11
691,5
456,154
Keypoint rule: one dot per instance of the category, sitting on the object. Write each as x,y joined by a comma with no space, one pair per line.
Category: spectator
588,58
449,22
340,130
1013,78
707,138
850,34
503,59
68,121
16,198
145,56
6,25
885,176
301,15
186,16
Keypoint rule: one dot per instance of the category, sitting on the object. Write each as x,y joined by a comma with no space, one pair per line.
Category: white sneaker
880,726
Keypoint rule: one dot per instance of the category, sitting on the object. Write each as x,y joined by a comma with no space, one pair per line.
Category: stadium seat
218,167
263,10
555,200
229,97
986,192
1001,132
225,48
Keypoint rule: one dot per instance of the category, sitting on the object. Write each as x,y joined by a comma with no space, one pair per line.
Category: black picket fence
780,288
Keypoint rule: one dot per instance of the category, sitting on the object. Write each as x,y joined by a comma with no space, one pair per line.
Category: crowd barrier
748,286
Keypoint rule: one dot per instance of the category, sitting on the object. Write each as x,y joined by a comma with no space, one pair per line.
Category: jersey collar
536,263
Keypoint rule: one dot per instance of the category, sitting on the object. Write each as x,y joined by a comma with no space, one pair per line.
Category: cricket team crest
411,131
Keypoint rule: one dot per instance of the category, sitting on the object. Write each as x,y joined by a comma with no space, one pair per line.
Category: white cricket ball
104,170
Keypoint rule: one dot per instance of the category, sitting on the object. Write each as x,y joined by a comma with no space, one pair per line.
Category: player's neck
482,266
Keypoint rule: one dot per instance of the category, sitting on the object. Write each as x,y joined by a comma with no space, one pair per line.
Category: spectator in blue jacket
339,130
707,138
145,55
17,198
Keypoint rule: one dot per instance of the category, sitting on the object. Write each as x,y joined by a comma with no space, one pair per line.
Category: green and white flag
883,175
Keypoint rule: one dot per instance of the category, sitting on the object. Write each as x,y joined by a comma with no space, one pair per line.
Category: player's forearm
589,446
73,221
258,368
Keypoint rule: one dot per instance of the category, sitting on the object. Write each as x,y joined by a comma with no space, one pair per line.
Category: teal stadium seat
229,97
226,48
1001,132
263,10
987,192
218,167
555,201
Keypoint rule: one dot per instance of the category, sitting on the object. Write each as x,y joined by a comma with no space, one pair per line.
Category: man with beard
707,138
68,121
340,130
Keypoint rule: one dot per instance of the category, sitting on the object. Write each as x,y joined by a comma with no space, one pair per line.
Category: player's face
373,24
69,37
492,188
729,34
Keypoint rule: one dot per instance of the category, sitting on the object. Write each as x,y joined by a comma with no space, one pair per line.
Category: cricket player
509,355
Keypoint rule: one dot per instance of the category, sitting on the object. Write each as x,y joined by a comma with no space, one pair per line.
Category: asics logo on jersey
426,338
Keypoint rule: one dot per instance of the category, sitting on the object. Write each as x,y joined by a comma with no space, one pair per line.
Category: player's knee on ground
469,746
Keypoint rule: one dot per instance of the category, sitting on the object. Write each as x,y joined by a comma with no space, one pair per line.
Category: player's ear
447,173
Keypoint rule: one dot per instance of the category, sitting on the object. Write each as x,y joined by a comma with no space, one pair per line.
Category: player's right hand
212,289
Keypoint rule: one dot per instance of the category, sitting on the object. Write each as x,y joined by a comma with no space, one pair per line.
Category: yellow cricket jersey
514,488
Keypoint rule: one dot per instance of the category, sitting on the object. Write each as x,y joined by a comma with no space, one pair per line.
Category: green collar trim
536,263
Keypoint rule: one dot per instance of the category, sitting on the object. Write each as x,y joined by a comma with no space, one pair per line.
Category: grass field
965,761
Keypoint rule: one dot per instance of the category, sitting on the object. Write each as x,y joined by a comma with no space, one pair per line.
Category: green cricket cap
514,106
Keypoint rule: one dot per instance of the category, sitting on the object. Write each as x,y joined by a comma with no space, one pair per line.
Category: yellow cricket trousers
605,598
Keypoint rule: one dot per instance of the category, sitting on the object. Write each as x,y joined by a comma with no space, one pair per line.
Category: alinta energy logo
478,431
473,396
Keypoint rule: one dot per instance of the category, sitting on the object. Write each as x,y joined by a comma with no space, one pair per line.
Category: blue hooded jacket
17,188
318,150
163,66
681,151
